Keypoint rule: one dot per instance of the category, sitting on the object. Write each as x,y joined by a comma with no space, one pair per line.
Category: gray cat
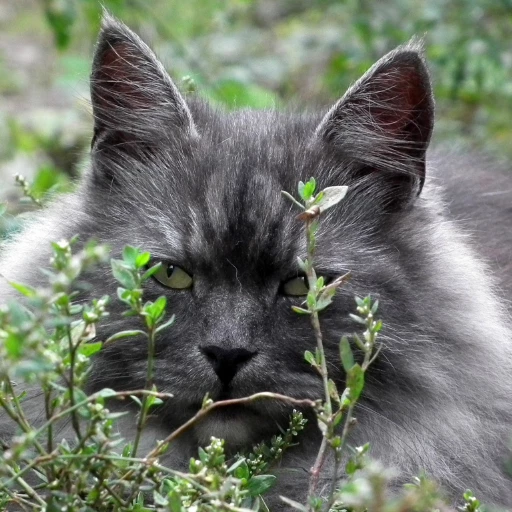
200,189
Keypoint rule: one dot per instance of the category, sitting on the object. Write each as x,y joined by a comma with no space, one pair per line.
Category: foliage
49,343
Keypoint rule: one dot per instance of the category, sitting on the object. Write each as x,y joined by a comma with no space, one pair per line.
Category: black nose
226,362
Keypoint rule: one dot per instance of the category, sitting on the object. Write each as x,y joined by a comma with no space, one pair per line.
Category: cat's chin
236,432
239,429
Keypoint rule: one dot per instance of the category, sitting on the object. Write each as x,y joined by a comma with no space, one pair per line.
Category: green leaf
61,17
137,400
242,470
142,259
309,189
203,456
325,299
292,199
127,450
152,400
359,301
80,396
310,358
331,197
351,467
89,349
333,390
346,355
124,334
355,381
301,311
260,484
174,501
106,393
159,499
18,313
151,271
130,255
13,345
318,198
123,274
166,324
155,310
28,368
25,290
357,319
300,189
337,417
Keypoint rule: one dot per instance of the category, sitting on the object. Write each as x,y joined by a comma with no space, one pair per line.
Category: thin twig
315,321
26,487
149,385
227,403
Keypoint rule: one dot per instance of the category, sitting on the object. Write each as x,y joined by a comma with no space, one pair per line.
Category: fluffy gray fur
200,188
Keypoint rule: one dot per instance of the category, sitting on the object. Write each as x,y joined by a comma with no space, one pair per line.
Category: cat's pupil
170,270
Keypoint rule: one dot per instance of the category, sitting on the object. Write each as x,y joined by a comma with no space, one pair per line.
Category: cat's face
201,190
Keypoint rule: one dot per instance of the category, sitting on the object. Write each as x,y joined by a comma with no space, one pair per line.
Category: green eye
173,276
295,287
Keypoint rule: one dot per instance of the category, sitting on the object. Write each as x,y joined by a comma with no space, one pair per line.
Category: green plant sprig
132,272
320,295
26,188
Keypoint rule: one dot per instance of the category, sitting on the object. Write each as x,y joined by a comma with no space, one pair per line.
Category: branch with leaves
320,296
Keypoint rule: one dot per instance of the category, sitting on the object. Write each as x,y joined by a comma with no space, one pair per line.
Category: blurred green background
257,53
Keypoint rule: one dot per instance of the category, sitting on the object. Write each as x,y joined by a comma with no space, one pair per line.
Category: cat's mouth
223,393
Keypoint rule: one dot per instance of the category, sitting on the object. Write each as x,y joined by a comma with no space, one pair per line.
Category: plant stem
48,412
18,416
227,403
149,384
369,357
315,321
72,354
33,494
91,398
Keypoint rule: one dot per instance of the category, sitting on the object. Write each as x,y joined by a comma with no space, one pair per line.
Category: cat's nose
227,362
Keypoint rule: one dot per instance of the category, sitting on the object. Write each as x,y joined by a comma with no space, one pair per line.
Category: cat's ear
133,98
384,121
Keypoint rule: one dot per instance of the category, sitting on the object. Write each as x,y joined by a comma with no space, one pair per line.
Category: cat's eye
296,287
173,276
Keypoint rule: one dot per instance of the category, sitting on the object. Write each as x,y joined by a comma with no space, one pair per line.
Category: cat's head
201,190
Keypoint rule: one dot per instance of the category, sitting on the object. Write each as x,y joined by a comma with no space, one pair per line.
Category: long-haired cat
200,189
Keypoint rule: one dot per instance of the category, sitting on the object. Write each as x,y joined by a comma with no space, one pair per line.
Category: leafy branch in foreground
47,345
364,484
336,408
26,188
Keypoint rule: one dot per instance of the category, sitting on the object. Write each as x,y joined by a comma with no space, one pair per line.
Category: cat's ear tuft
133,97
384,122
